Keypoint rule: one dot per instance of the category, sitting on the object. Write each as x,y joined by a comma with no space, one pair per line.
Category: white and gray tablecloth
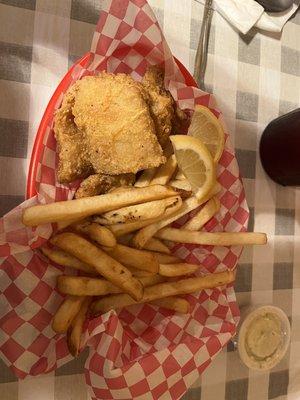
255,78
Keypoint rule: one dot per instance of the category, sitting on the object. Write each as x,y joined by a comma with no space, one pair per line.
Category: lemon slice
206,127
195,162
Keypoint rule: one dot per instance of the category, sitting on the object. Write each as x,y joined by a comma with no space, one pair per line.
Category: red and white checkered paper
143,351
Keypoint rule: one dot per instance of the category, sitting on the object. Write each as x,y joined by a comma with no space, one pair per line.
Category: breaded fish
73,153
119,132
104,126
161,103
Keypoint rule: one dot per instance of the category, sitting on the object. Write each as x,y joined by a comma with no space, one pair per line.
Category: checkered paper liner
143,351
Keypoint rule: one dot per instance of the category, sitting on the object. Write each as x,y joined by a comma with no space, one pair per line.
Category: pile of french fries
114,241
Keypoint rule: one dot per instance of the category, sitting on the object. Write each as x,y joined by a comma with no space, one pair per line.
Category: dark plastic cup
280,149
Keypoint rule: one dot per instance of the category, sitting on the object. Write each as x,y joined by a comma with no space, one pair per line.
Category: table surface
255,78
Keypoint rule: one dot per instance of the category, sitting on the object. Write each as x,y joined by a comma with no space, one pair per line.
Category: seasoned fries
138,212
66,260
84,286
140,273
162,290
84,207
153,244
177,269
151,280
66,313
165,172
64,224
140,259
98,259
100,234
203,216
213,238
173,303
141,238
75,330
157,245
123,229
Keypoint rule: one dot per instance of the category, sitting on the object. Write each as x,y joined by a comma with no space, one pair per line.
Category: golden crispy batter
110,124
100,184
73,160
120,133
160,102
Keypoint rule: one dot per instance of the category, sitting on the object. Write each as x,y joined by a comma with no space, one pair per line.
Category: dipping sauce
264,337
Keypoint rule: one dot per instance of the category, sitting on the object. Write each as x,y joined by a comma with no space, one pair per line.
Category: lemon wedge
195,162
206,127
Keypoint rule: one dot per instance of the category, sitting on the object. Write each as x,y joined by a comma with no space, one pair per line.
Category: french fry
151,280
165,172
84,207
66,260
126,239
181,184
141,237
139,273
213,238
177,269
121,189
140,259
173,303
203,216
153,244
146,233
106,266
163,290
138,212
75,330
167,259
84,286
64,224
66,313
156,245
145,178
162,258
99,234
123,229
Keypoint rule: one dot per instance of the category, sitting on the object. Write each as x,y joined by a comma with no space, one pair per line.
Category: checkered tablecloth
255,78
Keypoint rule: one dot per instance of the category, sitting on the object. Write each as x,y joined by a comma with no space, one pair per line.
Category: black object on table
280,149
275,5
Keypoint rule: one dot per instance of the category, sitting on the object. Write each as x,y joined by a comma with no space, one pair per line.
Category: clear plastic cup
263,337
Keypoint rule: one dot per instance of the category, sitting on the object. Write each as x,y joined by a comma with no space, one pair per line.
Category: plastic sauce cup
264,336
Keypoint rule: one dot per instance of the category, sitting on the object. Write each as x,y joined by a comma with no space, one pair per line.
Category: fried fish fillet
161,103
104,126
99,184
72,149
119,131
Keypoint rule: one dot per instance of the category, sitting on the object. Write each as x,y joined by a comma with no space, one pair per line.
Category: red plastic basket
37,147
